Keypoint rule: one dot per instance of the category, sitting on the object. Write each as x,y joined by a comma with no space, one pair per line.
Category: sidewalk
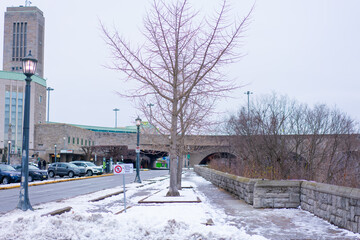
270,223
217,216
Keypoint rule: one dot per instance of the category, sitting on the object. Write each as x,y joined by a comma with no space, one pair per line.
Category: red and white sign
137,150
123,168
118,169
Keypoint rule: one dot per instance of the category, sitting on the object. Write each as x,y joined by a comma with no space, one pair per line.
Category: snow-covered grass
98,220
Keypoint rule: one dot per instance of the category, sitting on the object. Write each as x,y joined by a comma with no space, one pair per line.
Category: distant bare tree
88,150
282,139
178,68
114,152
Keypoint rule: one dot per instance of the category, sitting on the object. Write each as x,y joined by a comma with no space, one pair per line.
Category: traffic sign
123,168
117,169
137,150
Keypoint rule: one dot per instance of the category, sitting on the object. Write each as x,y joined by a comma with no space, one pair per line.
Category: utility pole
248,97
116,110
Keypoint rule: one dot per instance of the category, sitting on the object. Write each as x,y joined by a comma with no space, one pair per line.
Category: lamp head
29,64
138,121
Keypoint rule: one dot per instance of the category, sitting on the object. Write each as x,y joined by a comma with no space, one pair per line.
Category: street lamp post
29,68
9,149
137,178
248,98
116,110
48,89
55,152
150,105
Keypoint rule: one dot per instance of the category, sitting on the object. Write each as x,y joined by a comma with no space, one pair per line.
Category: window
40,99
77,140
85,142
19,41
68,140
81,142
73,140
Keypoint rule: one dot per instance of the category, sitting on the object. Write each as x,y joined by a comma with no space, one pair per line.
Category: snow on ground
154,221
96,220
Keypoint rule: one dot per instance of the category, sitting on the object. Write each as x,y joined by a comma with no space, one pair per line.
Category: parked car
90,168
8,174
34,173
33,164
65,169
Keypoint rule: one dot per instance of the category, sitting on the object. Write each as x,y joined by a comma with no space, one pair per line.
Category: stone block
294,197
352,202
276,195
292,205
257,203
339,222
267,203
279,204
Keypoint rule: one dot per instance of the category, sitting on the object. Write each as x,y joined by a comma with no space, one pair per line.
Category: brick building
23,32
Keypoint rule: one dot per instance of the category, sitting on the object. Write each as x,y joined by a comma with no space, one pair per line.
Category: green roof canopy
130,129
21,77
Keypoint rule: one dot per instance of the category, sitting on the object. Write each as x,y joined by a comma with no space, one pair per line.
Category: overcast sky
306,49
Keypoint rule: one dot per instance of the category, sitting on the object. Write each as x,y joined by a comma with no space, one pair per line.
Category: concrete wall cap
278,183
332,189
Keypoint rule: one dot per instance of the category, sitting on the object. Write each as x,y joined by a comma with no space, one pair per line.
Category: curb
58,212
55,181
61,180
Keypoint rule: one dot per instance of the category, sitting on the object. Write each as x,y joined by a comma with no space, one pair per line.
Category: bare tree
282,139
88,150
179,64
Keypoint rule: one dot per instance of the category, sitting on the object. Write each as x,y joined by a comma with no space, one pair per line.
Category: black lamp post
137,178
9,149
29,67
55,153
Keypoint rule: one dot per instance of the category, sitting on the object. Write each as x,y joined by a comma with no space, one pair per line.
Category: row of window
80,141
14,116
19,41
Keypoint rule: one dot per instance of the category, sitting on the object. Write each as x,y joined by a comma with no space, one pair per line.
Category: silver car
90,168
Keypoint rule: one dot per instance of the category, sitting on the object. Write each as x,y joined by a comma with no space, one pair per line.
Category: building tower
23,31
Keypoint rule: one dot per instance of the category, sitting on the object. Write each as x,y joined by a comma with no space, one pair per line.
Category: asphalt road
62,190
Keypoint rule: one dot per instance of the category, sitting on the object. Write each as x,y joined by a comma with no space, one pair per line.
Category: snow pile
96,220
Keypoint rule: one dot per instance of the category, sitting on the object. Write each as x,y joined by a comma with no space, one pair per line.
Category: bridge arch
216,155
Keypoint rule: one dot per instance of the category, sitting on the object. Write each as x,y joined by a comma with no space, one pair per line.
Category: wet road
62,190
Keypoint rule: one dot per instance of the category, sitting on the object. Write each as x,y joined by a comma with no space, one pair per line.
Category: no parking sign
123,169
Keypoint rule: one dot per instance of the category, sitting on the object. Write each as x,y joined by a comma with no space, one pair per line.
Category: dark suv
65,169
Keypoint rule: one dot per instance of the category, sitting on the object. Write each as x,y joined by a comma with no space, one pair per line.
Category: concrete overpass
71,139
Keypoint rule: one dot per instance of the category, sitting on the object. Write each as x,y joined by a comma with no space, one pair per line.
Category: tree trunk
179,171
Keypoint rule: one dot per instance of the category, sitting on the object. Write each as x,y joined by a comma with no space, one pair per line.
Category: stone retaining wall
338,205
242,187
277,194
